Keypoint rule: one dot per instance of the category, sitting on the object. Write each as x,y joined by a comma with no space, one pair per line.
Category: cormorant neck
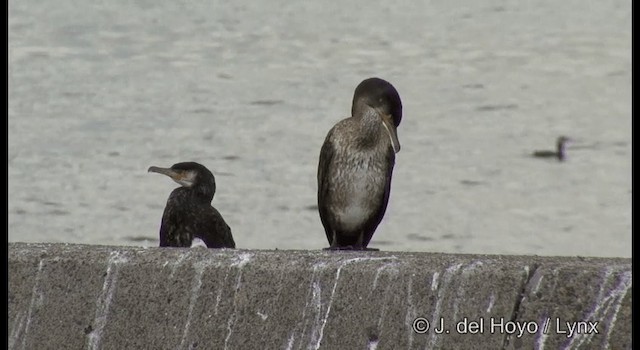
205,192
199,191
562,144
370,124
561,151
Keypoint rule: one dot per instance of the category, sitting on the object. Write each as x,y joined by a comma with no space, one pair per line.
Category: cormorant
356,163
561,144
188,213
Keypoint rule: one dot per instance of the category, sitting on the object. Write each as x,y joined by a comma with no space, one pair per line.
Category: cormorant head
380,95
562,140
189,175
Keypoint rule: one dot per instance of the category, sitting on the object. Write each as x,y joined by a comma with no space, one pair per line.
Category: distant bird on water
356,164
559,153
188,213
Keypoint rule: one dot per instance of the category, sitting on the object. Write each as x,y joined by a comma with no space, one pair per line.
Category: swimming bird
188,213
356,164
559,153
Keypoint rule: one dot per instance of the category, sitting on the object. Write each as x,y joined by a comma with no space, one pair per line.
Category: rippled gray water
99,92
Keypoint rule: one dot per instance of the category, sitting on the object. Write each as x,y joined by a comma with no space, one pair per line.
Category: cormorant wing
373,223
172,232
326,158
214,230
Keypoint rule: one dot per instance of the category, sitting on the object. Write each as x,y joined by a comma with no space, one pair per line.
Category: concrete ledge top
76,250
115,297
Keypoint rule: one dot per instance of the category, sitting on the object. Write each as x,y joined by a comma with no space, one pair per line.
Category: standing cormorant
189,213
561,144
356,163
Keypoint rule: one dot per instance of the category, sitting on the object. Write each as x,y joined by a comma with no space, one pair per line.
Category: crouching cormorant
356,163
189,213
559,153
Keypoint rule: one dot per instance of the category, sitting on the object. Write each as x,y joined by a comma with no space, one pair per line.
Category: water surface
100,92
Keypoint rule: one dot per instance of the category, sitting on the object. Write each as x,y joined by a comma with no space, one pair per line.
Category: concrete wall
76,296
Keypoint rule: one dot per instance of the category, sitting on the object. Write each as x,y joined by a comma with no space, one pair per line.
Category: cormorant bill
356,164
188,213
560,151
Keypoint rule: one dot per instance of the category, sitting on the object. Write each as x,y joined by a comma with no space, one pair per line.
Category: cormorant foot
351,247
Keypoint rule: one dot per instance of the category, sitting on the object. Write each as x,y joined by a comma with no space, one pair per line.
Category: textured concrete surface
99,297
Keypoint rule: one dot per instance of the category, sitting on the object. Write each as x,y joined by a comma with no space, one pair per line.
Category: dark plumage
559,153
356,164
188,213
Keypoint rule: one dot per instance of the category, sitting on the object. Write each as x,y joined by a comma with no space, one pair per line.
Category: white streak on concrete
263,316
597,308
320,333
219,295
196,284
239,262
473,266
619,293
313,297
602,304
290,342
35,295
555,281
447,276
411,314
434,281
242,260
375,279
178,262
104,300
316,303
458,296
538,282
542,336
373,344
385,305
462,287
17,330
492,300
